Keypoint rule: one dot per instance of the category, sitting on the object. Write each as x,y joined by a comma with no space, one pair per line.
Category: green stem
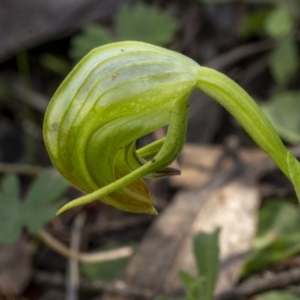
232,97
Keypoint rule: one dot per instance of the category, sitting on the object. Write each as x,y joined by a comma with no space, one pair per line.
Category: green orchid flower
122,91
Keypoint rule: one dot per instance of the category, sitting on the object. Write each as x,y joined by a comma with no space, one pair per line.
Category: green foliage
140,22
283,111
206,253
145,23
254,23
284,60
105,271
10,213
55,64
37,208
279,22
92,36
277,296
194,285
277,237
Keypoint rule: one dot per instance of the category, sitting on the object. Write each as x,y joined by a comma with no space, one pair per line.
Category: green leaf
10,221
284,60
279,22
277,237
104,271
277,296
140,22
38,207
253,23
206,251
194,286
283,112
41,201
145,23
92,36
55,63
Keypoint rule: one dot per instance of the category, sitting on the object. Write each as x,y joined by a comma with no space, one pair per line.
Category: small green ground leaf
253,23
277,296
194,286
10,222
42,200
279,22
145,23
92,36
55,63
284,60
47,187
277,237
206,251
283,112
140,22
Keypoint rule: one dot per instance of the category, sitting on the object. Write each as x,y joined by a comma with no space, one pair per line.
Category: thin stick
73,280
57,280
83,257
239,53
259,285
23,169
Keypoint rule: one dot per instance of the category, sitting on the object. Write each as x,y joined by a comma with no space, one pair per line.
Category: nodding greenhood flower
122,91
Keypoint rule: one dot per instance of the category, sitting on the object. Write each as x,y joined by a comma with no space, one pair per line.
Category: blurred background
226,181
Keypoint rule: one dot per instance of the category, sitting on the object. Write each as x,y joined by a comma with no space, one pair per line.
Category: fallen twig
73,269
23,169
57,280
262,284
224,60
83,257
